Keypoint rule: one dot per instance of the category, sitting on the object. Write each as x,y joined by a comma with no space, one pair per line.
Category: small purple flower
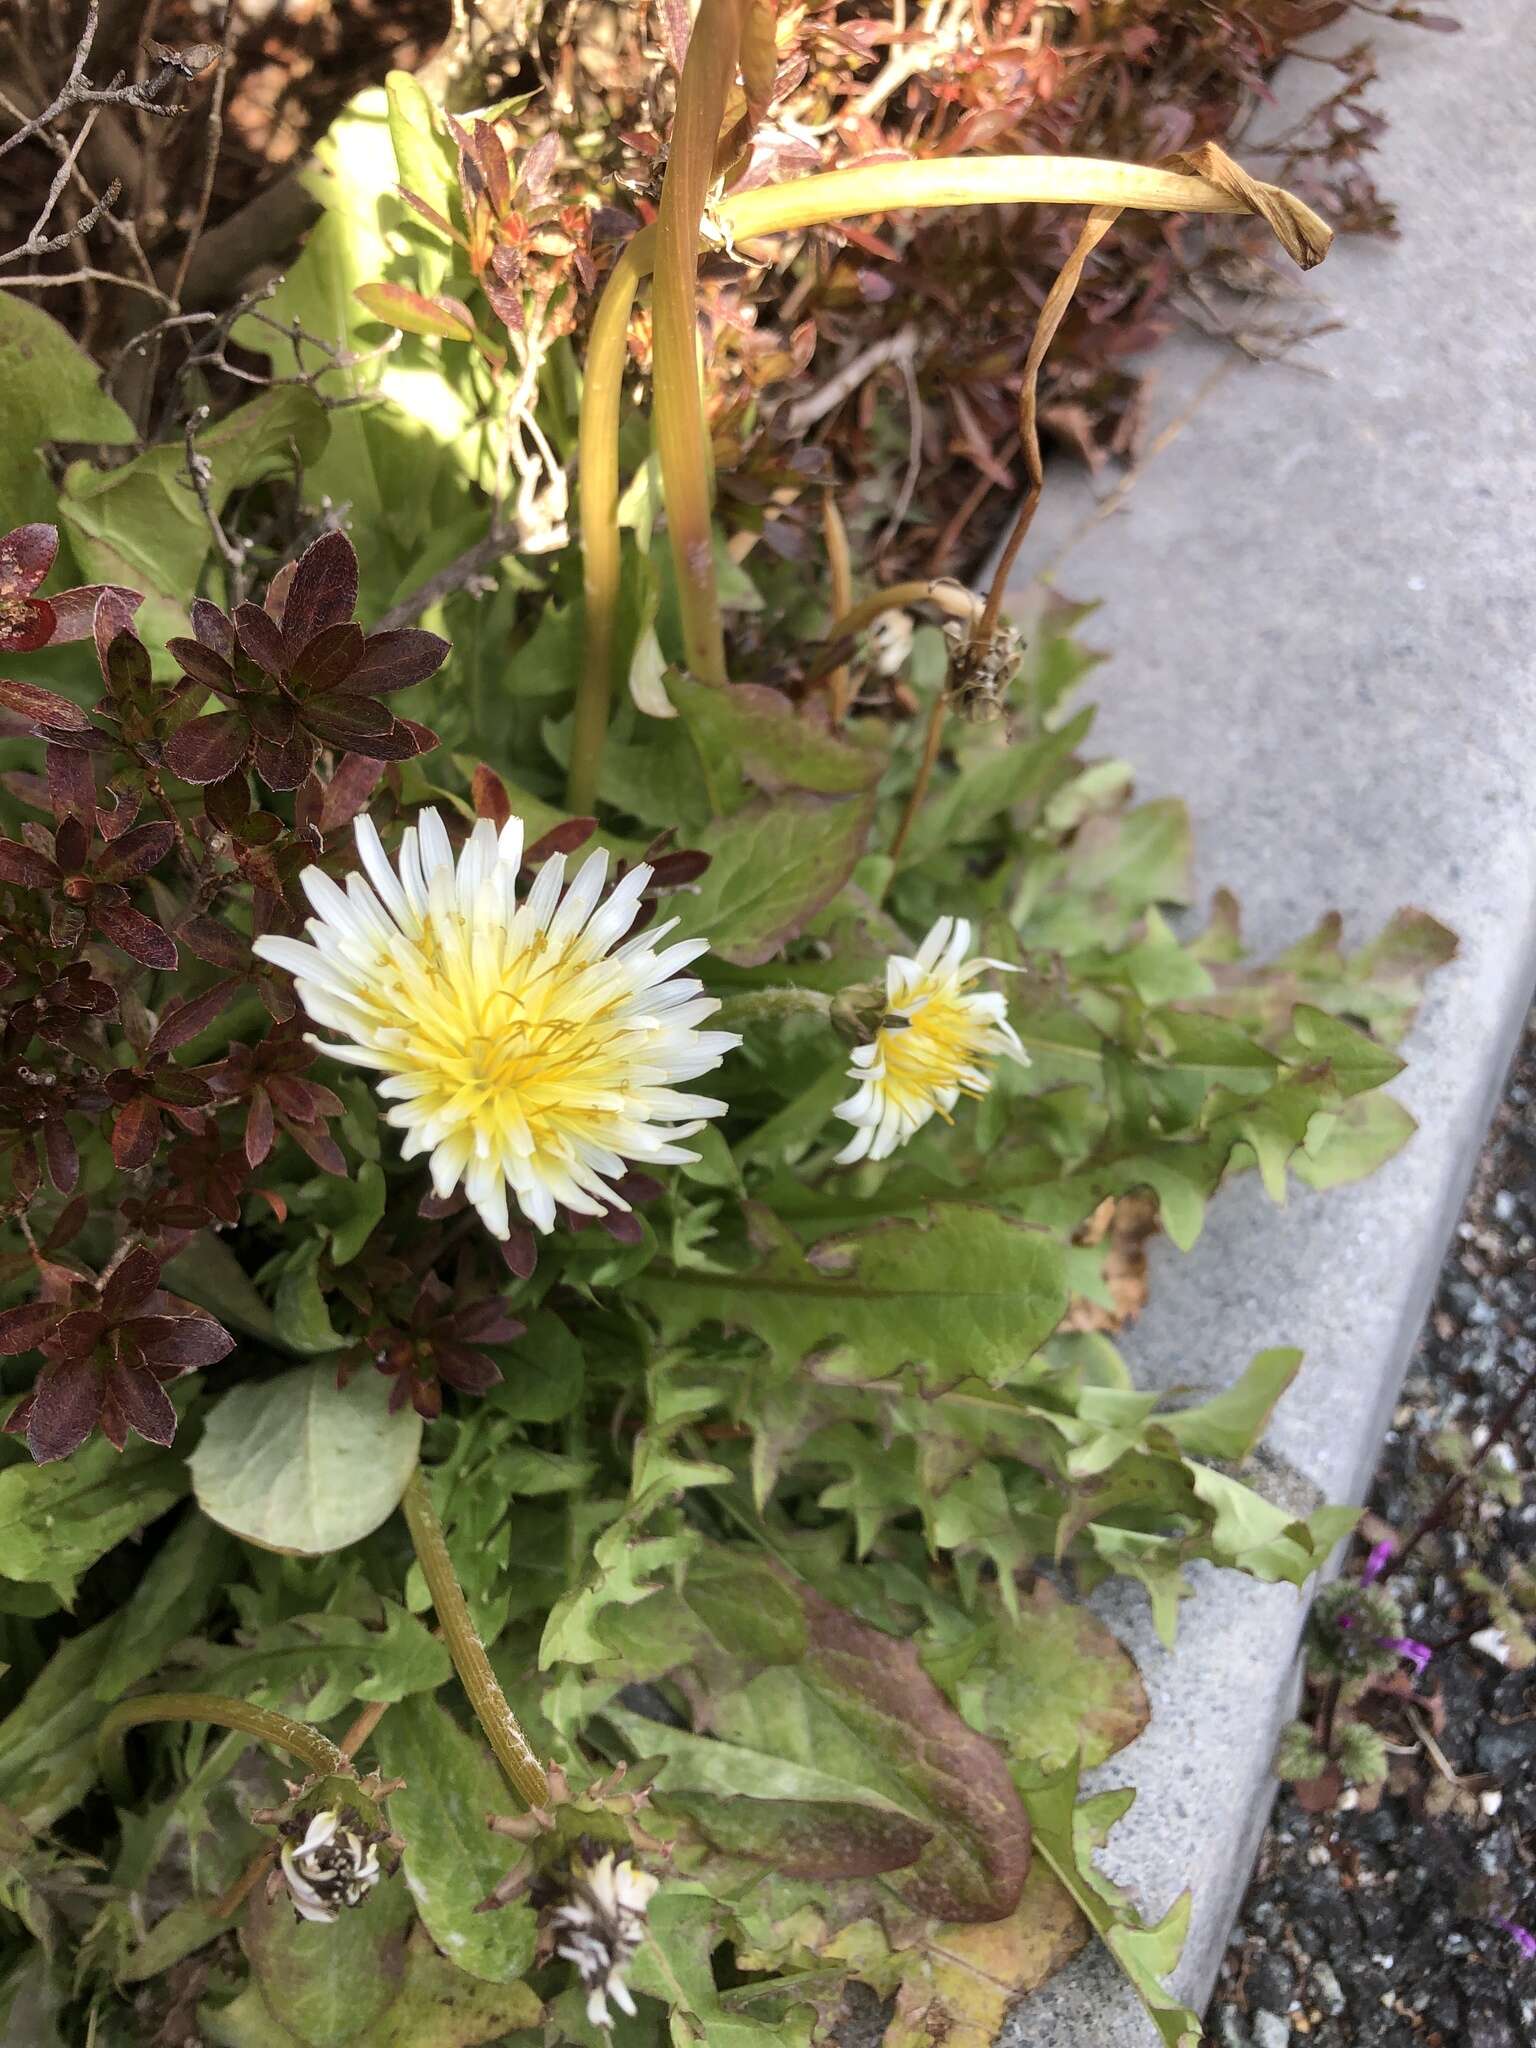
1522,1937
1381,1555
1415,1653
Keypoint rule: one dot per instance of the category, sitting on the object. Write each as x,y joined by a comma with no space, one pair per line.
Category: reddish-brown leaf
260,638
490,795
74,611
348,791
63,1158
26,556
393,661
201,664
136,1133
323,591
342,720
182,1021
25,868
64,1409
136,851
46,706
136,934
23,1328
326,662
30,627
565,837
284,763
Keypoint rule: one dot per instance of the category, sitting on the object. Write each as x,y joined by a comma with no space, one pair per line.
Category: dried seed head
329,1864
980,672
599,1925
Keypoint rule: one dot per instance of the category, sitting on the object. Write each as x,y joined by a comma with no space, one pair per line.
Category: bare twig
456,575
212,145
77,89
891,348
200,476
47,281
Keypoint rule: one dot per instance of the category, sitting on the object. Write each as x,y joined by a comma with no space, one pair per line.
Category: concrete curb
1320,602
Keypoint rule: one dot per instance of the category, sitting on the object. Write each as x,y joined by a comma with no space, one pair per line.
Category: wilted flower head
599,1925
526,1046
929,1044
329,1866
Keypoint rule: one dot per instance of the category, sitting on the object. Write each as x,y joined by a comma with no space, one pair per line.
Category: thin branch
456,575
44,281
214,142
77,90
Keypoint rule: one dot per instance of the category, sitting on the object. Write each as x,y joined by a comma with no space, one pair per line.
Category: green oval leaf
451,1858
300,1465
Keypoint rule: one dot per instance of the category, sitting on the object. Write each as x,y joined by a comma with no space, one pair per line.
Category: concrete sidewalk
1321,602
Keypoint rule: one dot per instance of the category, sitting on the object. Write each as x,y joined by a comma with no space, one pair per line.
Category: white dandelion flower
599,1926
526,1046
930,1045
330,1867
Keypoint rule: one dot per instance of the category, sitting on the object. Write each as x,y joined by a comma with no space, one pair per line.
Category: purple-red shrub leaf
46,706
213,628
132,1395
23,1329
261,638
326,662
136,851
27,624
393,661
342,721
74,611
24,868
201,664
186,1339
136,1133
183,1020
26,556
63,1158
138,936
209,749
214,942
284,763
62,1410
323,591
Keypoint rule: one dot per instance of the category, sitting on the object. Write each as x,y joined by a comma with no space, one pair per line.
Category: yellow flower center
928,1044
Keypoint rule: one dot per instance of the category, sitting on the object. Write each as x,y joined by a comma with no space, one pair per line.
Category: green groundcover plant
569,1177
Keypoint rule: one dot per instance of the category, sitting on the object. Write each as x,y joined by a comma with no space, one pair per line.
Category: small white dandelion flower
930,1045
331,1866
525,1046
599,1925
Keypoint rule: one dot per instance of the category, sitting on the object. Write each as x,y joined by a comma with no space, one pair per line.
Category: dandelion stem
943,591
925,767
511,1746
840,576
607,353
827,197
296,1737
682,444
